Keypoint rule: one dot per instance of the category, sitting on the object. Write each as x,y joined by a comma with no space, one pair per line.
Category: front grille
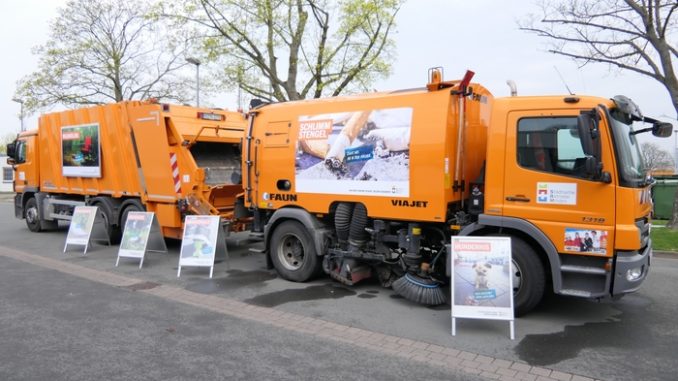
643,225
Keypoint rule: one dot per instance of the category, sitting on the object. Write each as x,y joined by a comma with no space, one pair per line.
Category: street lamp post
21,112
197,63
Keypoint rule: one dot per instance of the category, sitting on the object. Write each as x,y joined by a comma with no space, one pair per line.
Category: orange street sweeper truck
376,184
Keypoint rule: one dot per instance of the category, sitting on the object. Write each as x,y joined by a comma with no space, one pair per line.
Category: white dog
481,269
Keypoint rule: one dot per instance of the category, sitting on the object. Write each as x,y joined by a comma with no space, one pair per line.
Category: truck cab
566,176
22,155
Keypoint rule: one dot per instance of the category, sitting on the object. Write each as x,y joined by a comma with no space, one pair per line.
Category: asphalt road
630,339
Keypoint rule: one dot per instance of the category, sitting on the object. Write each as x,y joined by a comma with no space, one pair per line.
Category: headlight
634,274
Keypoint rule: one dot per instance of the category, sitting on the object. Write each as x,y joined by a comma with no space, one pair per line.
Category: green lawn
664,239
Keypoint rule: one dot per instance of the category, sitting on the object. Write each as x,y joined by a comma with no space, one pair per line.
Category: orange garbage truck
375,185
129,156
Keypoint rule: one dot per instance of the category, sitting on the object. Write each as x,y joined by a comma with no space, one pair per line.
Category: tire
529,277
114,232
33,216
293,253
131,207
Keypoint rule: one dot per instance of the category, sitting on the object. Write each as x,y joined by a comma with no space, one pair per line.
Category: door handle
519,198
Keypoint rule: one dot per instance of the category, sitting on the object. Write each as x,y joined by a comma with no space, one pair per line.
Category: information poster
199,243
81,226
482,285
135,235
81,151
355,153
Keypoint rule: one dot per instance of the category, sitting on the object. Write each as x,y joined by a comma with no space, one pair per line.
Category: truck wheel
131,207
32,216
114,232
529,278
293,253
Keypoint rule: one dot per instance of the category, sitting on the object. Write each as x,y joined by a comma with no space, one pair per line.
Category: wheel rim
291,252
32,215
517,277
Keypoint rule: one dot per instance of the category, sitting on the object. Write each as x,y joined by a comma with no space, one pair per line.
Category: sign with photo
364,152
200,241
81,151
142,233
81,226
482,281
586,241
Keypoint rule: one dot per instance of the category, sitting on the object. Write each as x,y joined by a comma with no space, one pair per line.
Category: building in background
7,175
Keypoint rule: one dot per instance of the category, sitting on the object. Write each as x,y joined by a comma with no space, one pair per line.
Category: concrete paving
564,339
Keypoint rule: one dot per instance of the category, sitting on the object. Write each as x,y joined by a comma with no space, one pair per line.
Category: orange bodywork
427,123
138,143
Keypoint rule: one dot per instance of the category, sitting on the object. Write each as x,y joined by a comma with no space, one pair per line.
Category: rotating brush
419,290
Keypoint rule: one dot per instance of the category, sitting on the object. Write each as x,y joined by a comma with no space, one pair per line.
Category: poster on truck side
482,282
363,152
81,151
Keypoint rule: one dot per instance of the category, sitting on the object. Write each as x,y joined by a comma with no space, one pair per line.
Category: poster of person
586,241
198,245
135,234
481,278
362,152
81,225
80,151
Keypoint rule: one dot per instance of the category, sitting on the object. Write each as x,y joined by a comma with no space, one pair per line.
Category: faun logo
280,197
410,203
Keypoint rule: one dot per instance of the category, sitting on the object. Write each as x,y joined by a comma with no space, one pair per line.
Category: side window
551,145
7,174
20,152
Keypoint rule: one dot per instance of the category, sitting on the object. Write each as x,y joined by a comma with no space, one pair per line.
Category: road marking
420,351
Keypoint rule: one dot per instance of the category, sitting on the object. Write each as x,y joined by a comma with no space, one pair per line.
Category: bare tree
105,51
634,35
656,158
282,50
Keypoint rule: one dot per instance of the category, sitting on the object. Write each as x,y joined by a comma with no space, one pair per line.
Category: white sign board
557,193
482,281
202,236
81,226
140,227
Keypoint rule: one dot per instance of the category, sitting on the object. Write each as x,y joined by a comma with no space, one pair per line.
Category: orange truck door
26,176
546,183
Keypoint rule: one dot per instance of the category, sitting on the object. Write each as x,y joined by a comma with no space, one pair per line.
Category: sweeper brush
419,290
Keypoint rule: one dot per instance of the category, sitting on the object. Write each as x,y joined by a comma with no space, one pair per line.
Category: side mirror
659,129
11,150
10,161
587,126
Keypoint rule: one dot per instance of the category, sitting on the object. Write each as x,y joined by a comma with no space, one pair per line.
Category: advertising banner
141,234
135,234
586,241
199,242
81,226
355,153
482,281
81,151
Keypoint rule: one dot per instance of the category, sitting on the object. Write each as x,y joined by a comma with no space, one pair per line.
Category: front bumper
627,262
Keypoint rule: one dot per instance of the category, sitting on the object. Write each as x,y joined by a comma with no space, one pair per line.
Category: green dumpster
663,194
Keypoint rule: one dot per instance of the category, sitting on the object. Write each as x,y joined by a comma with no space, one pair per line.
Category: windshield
629,157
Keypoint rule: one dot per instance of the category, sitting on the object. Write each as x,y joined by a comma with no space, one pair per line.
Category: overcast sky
480,35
